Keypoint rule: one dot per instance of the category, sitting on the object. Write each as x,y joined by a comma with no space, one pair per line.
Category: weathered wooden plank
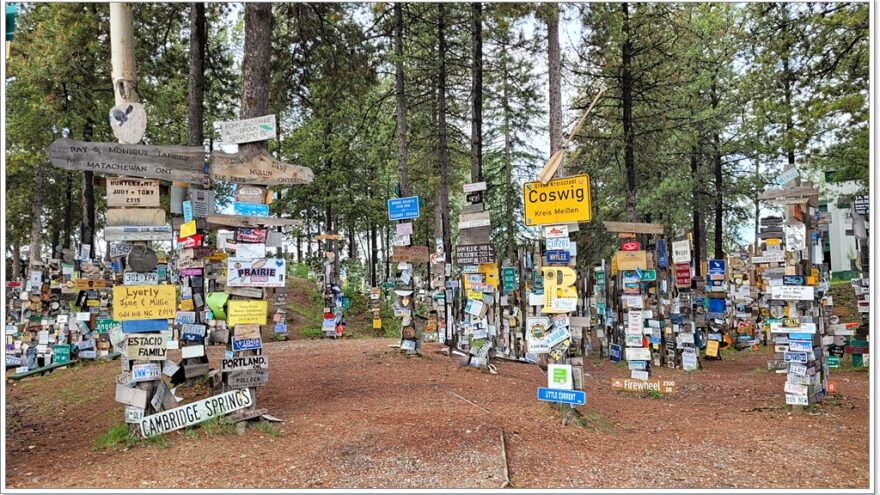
137,233
117,217
260,169
171,163
128,191
245,221
635,228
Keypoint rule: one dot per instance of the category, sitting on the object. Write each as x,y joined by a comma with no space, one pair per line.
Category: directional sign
565,200
171,163
193,413
716,268
261,169
576,397
403,208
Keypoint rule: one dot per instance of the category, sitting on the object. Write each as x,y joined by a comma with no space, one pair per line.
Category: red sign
683,274
629,246
189,242
857,349
13,284
250,234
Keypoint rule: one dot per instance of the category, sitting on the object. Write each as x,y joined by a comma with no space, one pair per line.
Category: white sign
130,277
638,354
795,236
192,351
787,176
551,231
633,302
681,251
792,292
257,272
195,412
769,257
559,376
120,249
635,323
474,187
558,243
639,375
250,250
128,122
537,329
248,131
146,372
401,241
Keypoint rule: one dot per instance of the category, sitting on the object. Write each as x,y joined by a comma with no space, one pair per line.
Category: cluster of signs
217,294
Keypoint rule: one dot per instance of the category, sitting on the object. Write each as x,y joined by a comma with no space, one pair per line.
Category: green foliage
118,436
311,332
217,426
267,428
300,270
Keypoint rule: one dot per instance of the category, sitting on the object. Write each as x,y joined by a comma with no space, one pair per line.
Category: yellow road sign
565,200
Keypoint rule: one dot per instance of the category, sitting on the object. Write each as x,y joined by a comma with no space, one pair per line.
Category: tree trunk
442,214
87,236
68,211
16,259
719,194
476,92
757,205
698,221
400,98
374,253
352,248
555,80
508,160
255,68
627,101
196,85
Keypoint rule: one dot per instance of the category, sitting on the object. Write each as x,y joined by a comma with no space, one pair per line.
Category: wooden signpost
171,163
261,169
128,192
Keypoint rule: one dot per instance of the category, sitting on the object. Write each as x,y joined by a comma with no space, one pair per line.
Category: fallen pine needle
470,402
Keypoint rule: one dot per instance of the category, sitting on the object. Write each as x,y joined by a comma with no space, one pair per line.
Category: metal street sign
193,413
565,200
576,397
403,208
171,163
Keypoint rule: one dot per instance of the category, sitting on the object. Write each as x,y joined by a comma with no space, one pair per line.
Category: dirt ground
359,415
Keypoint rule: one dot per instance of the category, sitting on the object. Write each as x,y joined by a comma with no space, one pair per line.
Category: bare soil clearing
359,415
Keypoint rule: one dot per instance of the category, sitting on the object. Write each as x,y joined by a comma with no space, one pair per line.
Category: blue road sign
187,211
800,336
250,209
577,397
138,326
661,253
792,280
716,267
558,256
403,208
614,352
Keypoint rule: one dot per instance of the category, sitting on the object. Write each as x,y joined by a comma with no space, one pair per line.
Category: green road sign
60,354
508,277
833,361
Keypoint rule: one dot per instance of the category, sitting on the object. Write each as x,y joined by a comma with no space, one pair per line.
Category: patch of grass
654,394
594,421
311,332
191,433
277,337
157,440
267,428
217,426
117,436
300,270
847,366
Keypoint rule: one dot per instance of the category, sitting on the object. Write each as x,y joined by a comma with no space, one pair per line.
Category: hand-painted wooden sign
260,169
411,254
248,130
260,272
138,233
246,193
474,254
146,346
633,385
631,260
128,122
128,192
251,221
89,283
171,163
246,312
245,363
247,378
195,412
565,200
144,302
473,220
